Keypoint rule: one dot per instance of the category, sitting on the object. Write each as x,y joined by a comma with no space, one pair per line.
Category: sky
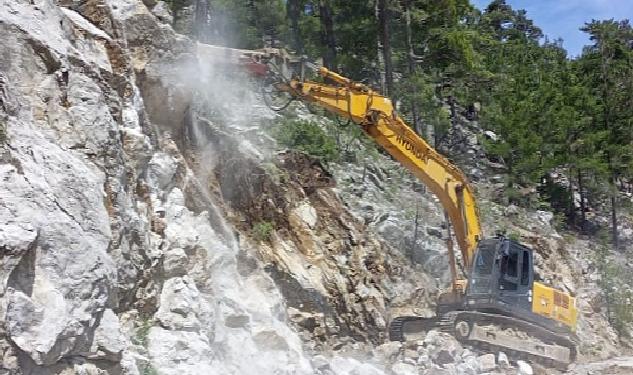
563,18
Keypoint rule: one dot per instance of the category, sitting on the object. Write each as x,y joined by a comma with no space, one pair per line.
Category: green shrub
142,331
616,283
149,370
308,137
279,176
560,221
263,230
514,236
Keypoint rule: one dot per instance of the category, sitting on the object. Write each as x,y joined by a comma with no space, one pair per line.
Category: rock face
148,227
115,259
58,279
388,200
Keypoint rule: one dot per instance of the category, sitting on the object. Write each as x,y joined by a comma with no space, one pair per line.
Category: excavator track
488,332
401,326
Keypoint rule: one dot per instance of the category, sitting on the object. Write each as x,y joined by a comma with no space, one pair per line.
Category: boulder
179,305
435,232
404,369
320,363
545,217
161,171
491,135
388,351
443,357
270,340
511,210
487,362
351,366
109,341
162,11
442,348
503,361
175,263
180,352
524,368
307,214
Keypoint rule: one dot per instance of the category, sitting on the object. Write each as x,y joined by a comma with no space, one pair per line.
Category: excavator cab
502,281
501,277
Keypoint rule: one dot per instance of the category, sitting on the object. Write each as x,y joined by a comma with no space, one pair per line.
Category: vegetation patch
616,282
514,236
279,176
308,137
263,231
142,332
149,370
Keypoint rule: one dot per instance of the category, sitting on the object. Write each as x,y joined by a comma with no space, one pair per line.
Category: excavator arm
375,114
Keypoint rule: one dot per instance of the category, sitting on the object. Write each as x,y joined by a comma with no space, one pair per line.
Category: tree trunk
572,201
384,33
415,230
328,41
439,138
252,12
411,66
606,110
201,21
381,56
583,208
293,12
614,219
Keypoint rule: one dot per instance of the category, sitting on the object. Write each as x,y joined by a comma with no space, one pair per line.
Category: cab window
510,269
510,264
525,269
485,260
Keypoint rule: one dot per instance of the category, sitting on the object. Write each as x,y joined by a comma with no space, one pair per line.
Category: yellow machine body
554,304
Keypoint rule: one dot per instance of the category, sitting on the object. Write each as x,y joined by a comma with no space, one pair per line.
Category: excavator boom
377,117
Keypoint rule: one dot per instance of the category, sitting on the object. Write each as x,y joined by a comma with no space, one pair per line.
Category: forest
549,111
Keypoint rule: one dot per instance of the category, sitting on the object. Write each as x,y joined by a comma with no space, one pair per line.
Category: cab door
482,284
516,276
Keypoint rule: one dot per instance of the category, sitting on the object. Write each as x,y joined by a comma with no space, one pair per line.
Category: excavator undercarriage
490,332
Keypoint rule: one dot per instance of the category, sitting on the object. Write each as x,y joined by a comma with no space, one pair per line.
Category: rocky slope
149,226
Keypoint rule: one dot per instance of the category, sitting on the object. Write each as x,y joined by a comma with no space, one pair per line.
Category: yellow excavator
497,304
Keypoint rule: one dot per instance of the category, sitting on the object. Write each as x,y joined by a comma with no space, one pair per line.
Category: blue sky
563,18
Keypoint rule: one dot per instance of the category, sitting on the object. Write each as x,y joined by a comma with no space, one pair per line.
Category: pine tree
383,14
293,13
608,66
328,40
